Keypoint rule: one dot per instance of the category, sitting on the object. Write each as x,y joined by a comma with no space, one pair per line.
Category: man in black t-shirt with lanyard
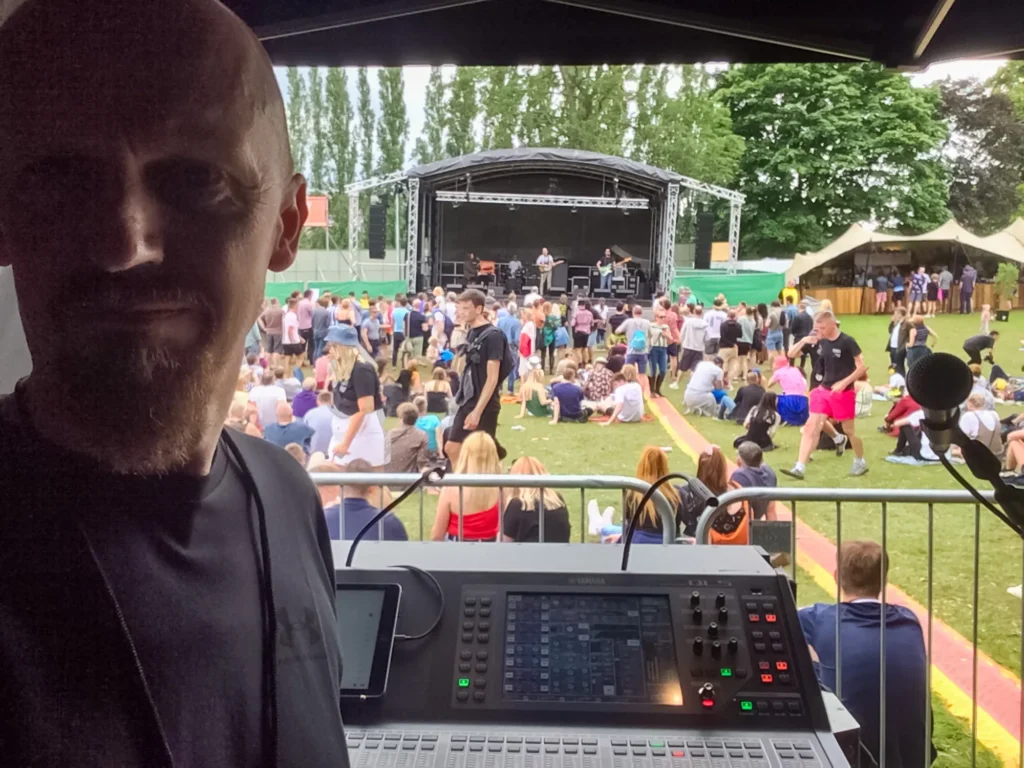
840,364
478,405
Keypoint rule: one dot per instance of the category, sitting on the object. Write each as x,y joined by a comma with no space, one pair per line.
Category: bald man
146,186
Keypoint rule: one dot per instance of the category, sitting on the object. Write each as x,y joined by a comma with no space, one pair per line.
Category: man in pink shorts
839,363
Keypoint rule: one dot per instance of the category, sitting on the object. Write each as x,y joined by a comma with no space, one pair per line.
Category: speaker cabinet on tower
378,229
702,241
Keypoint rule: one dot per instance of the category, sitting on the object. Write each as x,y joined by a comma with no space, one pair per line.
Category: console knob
695,598
712,629
734,645
698,615
723,614
707,695
698,645
720,599
716,650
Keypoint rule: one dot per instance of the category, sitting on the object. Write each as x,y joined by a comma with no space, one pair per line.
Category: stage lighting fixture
573,209
625,211
511,206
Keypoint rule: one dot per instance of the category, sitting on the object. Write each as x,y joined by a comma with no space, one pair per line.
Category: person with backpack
637,332
486,361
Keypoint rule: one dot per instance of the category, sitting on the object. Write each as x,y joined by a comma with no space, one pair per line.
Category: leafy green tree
984,155
502,106
392,133
461,109
298,126
593,108
1009,80
539,126
829,145
366,136
341,147
318,153
430,146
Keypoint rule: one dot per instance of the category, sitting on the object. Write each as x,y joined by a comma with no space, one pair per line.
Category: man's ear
294,211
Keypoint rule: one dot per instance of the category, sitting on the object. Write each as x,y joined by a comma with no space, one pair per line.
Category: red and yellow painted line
951,672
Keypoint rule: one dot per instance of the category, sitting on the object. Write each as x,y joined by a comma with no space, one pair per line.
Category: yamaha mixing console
549,656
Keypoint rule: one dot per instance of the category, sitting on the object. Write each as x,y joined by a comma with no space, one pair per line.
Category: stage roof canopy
908,33
1004,244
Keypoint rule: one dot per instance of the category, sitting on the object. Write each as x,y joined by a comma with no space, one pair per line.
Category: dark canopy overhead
907,33
534,160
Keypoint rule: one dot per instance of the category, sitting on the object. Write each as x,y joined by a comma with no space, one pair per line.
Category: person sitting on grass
865,396
902,408
521,521
470,514
627,397
408,445
752,472
598,387
793,403
567,399
699,397
287,429
409,379
430,425
305,400
863,567
534,396
346,517
761,423
748,396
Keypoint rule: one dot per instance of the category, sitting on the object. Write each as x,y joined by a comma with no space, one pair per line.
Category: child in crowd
433,350
986,317
894,390
429,424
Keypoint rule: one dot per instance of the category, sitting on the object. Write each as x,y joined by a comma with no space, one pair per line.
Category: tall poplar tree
502,107
461,109
341,147
539,127
392,133
298,127
430,146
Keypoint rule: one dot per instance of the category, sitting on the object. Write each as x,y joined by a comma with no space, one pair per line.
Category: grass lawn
999,623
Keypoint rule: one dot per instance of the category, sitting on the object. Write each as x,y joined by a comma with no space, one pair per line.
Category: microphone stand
984,465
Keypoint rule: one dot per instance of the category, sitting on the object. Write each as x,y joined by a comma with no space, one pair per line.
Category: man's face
467,312
607,253
162,194
544,251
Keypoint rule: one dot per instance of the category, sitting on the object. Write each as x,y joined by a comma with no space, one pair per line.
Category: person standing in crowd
398,320
802,325
968,278
292,344
304,310
918,288
881,292
674,323
287,430
370,331
714,319
511,327
477,400
946,288
773,339
582,326
748,327
637,334
834,397
917,340
271,324
321,420
253,341
545,265
357,431
898,288
898,334
416,330
693,341
863,566
729,339
185,196
321,324
658,353
976,345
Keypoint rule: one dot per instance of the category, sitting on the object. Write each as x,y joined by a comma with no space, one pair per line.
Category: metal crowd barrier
502,483
883,497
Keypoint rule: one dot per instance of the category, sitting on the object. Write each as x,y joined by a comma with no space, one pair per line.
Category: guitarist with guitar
606,267
545,264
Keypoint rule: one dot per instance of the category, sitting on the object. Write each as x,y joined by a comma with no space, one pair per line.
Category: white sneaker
674,385
860,467
841,444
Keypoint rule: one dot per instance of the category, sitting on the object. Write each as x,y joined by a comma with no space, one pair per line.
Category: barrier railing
882,497
504,483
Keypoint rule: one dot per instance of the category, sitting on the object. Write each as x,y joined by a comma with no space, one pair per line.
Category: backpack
638,343
508,362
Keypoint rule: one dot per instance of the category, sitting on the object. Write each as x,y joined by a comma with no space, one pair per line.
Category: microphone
940,382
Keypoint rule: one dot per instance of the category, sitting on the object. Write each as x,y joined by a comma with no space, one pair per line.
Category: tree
502,107
593,108
318,153
539,126
298,127
829,145
461,112
1009,81
984,155
392,133
367,166
430,146
341,147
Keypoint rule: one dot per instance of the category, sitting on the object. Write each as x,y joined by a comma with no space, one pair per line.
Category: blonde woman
521,521
357,431
534,396
473,510
652,465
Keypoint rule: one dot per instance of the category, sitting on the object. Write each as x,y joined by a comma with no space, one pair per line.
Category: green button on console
463,682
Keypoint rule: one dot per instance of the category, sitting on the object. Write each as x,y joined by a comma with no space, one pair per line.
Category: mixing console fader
550,657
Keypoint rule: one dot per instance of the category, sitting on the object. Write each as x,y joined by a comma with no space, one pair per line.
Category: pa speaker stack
702,241
378,229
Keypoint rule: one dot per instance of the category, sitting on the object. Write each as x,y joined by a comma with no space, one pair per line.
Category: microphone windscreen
940,381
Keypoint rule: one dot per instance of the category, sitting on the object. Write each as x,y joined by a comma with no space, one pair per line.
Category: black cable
981,499
440,596
379,516
269,708
627,540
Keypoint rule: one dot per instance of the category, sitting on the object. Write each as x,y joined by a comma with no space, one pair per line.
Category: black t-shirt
363,382
802,325
492,347
177,560
524,525
979,342
746,399
837,358
414,322
730,334
616,320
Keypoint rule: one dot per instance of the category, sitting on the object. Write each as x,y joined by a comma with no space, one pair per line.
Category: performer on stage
515,267
605,267
472,268
545,264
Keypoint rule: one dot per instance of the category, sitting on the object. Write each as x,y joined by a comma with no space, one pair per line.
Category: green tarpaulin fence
751,287
387,288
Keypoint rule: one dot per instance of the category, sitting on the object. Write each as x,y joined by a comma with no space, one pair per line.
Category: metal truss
412,234
560,201
711,189
735,210
666,255
374,182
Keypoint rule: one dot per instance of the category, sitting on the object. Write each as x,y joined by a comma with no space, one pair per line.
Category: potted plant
1006,289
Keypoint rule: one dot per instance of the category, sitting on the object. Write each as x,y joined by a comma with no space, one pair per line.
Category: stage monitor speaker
378,229
702,240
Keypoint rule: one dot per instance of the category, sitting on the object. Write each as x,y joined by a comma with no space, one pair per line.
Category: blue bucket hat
345,335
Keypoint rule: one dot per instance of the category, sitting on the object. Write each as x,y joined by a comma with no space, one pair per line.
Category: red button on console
678,753
770,618
754,617
766,679
782,666
764,665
